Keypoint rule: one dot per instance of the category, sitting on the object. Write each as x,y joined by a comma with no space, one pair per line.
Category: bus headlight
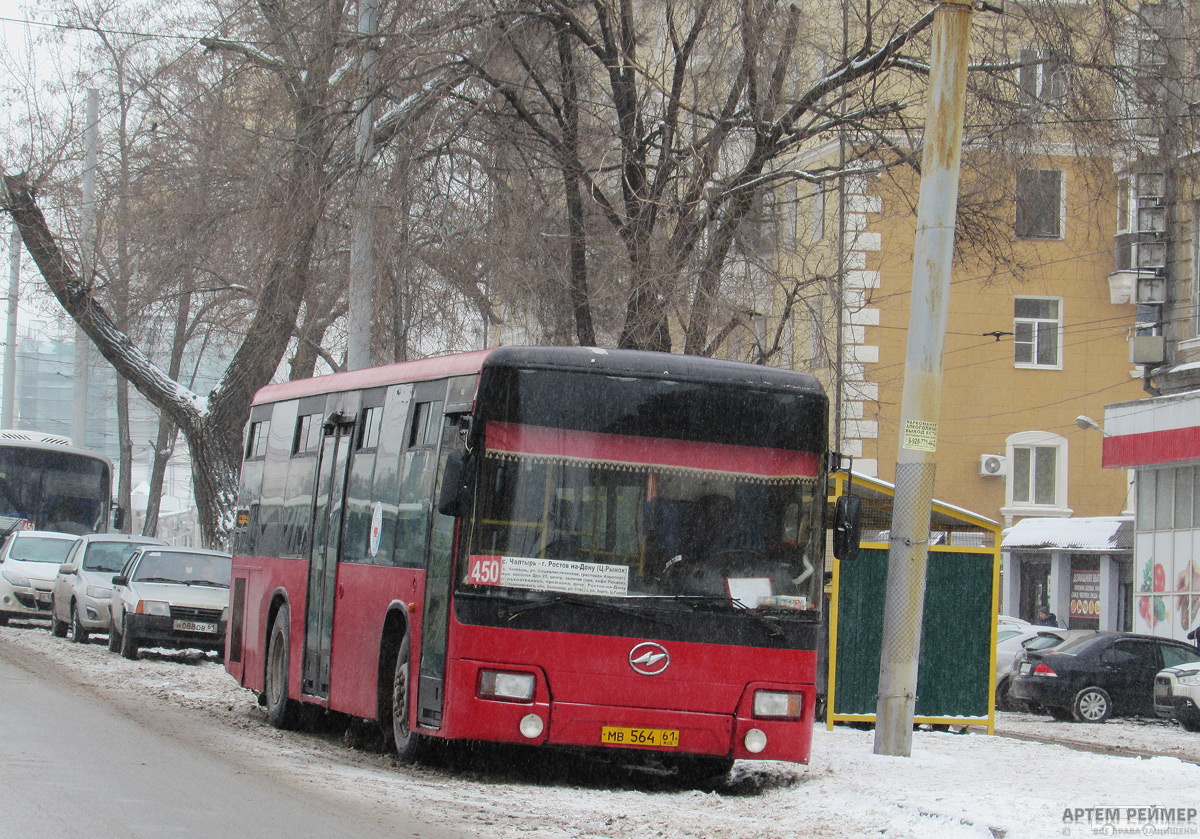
778,704
154,607
514,687
755,740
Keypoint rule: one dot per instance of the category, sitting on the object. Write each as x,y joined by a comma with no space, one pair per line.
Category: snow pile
954,785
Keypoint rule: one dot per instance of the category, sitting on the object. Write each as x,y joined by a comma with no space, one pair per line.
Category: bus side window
417,473
392,440
274,471
356,541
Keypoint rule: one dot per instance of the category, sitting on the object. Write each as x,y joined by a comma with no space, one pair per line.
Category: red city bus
553,546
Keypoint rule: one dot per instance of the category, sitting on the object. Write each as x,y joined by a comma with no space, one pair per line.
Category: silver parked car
84,582
170,597
28,563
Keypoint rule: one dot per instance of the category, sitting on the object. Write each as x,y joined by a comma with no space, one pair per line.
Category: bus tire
129,644
281,711
408,742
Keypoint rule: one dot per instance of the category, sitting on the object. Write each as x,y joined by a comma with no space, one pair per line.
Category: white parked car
84,582
28,562
1177,695
170,597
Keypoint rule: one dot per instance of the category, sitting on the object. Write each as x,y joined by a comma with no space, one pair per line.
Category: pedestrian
1194,635
1046,617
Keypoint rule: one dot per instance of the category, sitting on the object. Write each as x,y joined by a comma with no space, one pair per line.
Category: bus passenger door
438,582
328,502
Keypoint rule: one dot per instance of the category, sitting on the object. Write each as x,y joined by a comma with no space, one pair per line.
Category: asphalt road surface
74,764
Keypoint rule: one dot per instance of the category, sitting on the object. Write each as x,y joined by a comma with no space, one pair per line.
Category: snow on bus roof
404,371
1095,533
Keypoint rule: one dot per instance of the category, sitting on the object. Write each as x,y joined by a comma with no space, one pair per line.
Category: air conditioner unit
992,465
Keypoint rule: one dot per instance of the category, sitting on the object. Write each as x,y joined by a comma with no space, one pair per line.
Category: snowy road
954,785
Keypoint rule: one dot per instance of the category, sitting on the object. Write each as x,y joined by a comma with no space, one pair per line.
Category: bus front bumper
543,721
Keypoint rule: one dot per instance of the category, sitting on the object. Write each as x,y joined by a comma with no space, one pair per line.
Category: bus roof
632,362
21,439
654,365
436,367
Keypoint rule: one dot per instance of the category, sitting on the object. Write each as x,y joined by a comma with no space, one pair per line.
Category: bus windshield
61,491
623,516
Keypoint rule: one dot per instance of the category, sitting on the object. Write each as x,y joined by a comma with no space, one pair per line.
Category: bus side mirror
118,518
847,527
453,495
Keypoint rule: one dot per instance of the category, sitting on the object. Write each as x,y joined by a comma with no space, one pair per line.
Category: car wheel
1060,714
78,634
1002,701
3,620
408,742
281,711
114,637
129,644
1092,704
57,628
1190,723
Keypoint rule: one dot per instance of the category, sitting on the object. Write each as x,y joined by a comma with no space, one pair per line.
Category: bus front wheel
408,742
281,711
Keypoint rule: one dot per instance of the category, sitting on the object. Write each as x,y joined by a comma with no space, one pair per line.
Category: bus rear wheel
281,711
409,744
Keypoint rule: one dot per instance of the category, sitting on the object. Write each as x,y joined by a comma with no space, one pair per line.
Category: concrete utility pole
362,260
933,252
87,247
8,417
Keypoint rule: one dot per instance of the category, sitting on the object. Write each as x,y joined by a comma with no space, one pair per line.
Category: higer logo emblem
649,658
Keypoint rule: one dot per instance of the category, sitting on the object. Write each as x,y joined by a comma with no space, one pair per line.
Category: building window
1037,475
1196,272
1037,327
1043,76
1039,204
1033,470
817,229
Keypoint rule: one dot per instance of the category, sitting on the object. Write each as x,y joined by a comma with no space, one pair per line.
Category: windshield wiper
727,603
156,580
205,583
566,599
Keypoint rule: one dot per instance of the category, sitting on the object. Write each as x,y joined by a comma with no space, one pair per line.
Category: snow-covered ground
954,785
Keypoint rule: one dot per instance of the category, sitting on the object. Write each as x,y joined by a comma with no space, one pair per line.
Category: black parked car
1095,677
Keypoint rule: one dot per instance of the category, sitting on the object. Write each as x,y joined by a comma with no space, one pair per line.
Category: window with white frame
1037,332
1040,204
1037,473
1043,76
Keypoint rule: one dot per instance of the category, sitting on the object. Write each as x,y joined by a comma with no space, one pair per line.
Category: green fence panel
955,666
